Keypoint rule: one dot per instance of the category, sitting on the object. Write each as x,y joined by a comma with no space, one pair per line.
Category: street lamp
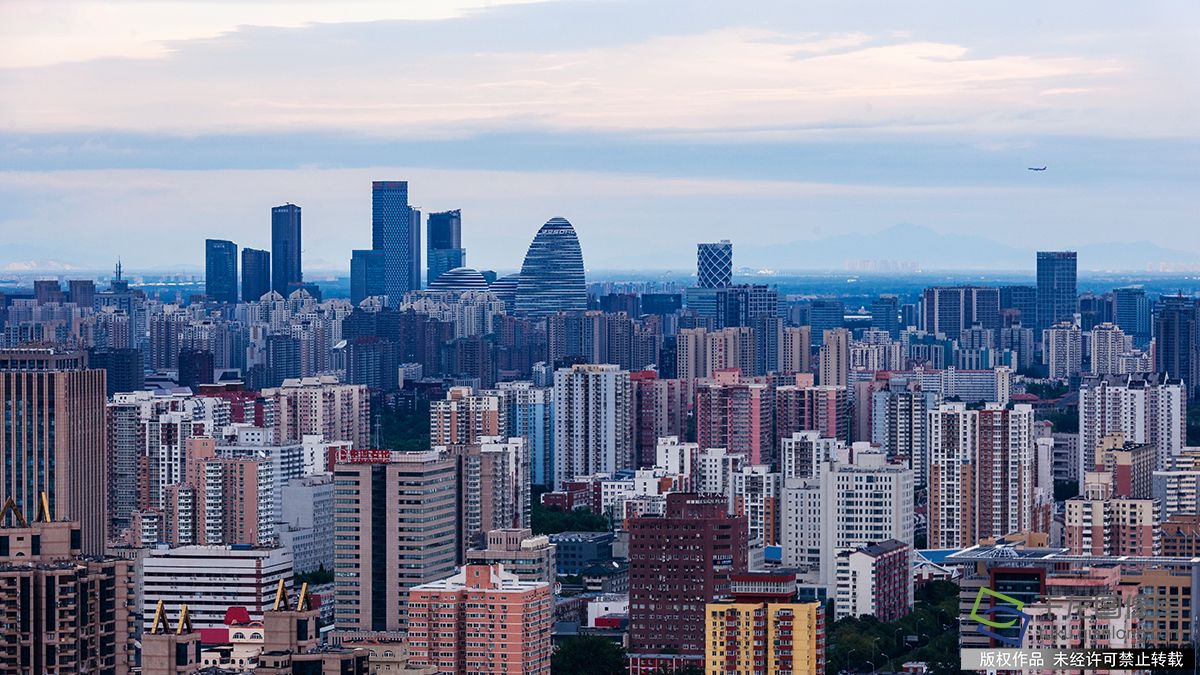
875,652
852,650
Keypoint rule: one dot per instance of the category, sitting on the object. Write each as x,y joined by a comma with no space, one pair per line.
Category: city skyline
814,125
604,337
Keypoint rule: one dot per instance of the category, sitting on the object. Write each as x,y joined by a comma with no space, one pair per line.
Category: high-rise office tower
1018,304
396,231
835,358
593,407
953,309
444,238
220,270
483,620
552,276
53,438
1056,291
1176,334
256,274
1094,310
678,562
366,274
82,292
124,368
399,515
47,291
286,272
63,612
1131,311
885,315
825,314
714,264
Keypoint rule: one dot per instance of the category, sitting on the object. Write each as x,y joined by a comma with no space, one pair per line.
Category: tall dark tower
1176,334
220,270
256,274
286,274
396,232
444,239
1056,291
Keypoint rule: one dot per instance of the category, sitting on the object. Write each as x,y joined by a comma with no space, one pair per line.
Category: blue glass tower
256,274
366,274
396,232
220,270
1056,292
444,239
552,277
286,275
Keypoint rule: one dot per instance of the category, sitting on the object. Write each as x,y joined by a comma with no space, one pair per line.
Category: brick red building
678,562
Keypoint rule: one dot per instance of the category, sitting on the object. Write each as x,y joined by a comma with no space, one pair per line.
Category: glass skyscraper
366,274
256,274
1175,335
552,277
1056,292
714,264
1023,299
220,270
286,275
444,242
396,232
1131,311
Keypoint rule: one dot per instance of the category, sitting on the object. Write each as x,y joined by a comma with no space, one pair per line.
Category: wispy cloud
354,77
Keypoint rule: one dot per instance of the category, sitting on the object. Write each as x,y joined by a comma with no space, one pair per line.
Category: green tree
588,655
313,578
545,520
404,428
1193,425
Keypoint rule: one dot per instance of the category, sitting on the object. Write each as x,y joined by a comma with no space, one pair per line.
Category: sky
137,129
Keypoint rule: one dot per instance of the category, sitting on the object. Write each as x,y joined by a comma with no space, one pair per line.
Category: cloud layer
143,127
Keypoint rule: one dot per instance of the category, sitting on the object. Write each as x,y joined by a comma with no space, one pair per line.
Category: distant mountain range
929,249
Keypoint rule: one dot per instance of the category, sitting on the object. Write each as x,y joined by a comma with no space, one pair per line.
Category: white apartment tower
592,421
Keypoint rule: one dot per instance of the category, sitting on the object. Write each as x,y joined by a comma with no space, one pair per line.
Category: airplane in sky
1037,168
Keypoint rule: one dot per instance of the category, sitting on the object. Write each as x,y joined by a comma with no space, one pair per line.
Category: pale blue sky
140,128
